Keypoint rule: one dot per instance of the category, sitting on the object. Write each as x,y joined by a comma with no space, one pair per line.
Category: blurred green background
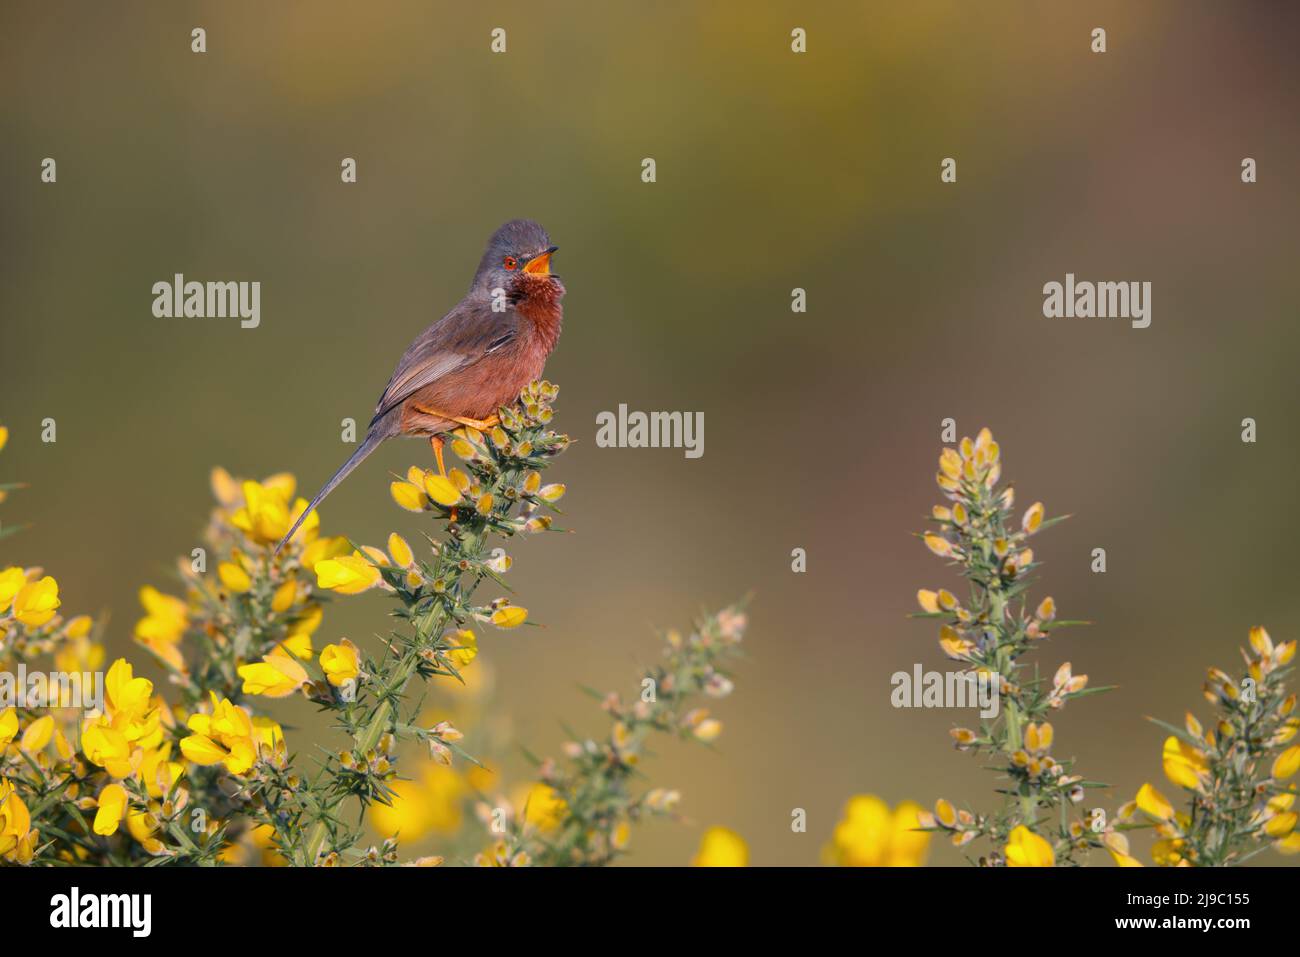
775,171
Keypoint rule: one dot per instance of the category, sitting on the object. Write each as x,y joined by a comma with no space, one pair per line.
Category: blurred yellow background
775,171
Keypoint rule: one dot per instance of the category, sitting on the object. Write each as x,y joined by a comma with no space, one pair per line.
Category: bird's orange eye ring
510,262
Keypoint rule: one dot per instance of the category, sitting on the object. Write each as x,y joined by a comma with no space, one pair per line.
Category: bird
476,358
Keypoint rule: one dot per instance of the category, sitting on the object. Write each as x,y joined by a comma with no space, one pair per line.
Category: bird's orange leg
437,442
481,424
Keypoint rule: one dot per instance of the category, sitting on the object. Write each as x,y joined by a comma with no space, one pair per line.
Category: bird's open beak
540,265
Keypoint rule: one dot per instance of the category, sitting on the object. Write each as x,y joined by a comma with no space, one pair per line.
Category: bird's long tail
370,443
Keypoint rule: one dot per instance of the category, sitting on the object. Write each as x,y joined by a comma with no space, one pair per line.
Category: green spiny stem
471,547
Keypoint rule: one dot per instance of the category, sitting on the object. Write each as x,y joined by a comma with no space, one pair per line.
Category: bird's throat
543,310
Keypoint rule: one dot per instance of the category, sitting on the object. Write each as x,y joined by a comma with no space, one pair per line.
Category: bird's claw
481,424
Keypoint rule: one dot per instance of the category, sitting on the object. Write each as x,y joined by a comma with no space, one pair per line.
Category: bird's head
518,260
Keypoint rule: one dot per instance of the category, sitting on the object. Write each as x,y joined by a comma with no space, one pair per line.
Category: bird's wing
458,339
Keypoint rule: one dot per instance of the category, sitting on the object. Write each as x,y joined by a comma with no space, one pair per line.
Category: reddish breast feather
503,374
541,307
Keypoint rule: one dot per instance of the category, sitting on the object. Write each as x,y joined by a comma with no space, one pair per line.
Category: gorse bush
116,773
1233,773
990,633
594,784
212,777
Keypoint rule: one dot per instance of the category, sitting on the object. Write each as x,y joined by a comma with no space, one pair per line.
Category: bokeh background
774,171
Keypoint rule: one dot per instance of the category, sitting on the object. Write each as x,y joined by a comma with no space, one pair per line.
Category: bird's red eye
510,262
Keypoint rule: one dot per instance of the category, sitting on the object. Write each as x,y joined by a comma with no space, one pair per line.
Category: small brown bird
474,359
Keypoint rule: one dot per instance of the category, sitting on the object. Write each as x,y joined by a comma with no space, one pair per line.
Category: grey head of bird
518,257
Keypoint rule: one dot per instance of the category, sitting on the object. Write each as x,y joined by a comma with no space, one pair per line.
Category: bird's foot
492,421
481,424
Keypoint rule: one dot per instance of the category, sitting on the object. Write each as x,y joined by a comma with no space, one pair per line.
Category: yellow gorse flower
38,735
544,807
130,725
441,489
872,835
1280,824
234,577
226,736
112,808
298,641
324,548
36,602
721,847
1184,765
17,839
1169,852
1154,804
164,624
276,676
509,616
1024,848
12,581
158,772
341,663
466,647
129,697
284,597
408,496
400,551
1116,842
1038,737
1286,764
8,727
430,805
143,825
347,574
265,515
166,617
